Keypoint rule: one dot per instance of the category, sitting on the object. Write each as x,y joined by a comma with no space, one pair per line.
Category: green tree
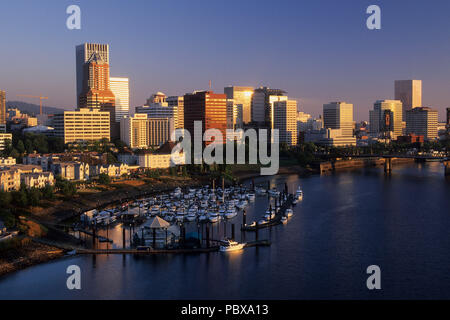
34,196
48,192
20,147
103,178
5,199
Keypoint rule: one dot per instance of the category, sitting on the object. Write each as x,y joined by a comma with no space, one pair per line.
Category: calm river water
345,223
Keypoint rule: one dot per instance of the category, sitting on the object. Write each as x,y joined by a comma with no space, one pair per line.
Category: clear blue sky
319,51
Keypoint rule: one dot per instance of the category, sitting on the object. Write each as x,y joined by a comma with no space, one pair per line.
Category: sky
318,51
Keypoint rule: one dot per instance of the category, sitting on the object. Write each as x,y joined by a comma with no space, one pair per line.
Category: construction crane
37,97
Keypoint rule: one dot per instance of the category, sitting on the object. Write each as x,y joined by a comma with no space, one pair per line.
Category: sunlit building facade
285,120
208,107
422,121
242,96
120,87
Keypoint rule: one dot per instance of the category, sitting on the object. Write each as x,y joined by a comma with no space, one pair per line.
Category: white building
409,92
161,158
285,120
3,138
121,89
141,131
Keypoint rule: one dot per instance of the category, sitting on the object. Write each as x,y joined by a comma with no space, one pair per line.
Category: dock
275,221
92,234
260,243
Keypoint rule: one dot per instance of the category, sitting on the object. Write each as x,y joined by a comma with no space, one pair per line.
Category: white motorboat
230,214
261,222
191,217
230,245
299,194
284,220
289,213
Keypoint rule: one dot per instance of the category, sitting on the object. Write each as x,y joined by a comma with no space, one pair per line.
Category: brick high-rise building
208,107
97,93
84,52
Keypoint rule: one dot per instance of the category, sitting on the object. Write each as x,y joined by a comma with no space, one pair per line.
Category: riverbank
29,254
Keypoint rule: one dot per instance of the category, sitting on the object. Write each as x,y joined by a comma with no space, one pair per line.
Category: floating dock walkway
275,221
260,243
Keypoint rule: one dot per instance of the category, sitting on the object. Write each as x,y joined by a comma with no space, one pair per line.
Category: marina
192,220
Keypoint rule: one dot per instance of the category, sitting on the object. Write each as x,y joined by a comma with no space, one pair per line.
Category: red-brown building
96,89
411,138
208,107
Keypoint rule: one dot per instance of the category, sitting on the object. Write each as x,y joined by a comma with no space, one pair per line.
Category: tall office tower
339,115
386,119
120,87
272,100
82,125
285,120
243,96
234,115
261,107
2,108
177,102
83,53
139,131
96,93
409,92
208,107
422,121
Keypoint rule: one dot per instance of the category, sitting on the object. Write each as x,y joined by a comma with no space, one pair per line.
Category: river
346,222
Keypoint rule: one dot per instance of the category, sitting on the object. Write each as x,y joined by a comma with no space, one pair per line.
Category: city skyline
311,71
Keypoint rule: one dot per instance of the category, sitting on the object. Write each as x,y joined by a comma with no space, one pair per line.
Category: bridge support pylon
387,165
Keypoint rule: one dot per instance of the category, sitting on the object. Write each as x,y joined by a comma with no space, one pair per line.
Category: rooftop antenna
210,84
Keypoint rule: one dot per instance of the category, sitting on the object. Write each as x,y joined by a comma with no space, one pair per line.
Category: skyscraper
386,119
177,102
339,115
83,53
2,108
285,120
409,92
242,96
208,107
121,90
261,106
422,121
96,93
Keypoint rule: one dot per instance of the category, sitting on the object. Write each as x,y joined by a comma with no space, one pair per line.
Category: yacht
230,245
299,194
251,197
230,214
191,217
284,220
213,217
289,213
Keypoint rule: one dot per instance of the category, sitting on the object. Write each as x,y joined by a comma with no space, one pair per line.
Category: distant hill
32,109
